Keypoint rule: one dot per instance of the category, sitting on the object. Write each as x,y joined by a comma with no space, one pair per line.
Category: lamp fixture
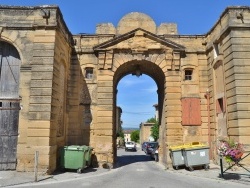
137,72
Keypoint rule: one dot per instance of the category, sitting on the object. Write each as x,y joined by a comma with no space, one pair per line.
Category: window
216,50
220,106
188,74
89,73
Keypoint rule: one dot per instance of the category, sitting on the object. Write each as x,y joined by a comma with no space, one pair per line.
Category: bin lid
175,148
87,147
191,145
196,147
75,147
179,146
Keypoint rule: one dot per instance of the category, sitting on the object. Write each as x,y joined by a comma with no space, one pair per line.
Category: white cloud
130,81
151,89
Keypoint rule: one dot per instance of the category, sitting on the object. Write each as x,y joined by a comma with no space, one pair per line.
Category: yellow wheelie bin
176,156
196,155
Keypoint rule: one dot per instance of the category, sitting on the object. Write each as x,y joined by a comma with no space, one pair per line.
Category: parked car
150,147
130,146
144,146
154,154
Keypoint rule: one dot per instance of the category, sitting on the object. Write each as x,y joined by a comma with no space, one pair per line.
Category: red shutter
191,111
195,111
185,111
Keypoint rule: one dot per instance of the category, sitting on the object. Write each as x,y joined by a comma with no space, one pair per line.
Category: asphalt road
136,170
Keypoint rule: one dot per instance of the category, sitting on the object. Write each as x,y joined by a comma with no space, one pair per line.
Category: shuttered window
191,111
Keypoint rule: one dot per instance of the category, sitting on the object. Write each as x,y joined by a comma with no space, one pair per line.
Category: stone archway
136,43
122,56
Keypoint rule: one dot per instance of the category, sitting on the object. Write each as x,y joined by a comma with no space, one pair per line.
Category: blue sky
136,96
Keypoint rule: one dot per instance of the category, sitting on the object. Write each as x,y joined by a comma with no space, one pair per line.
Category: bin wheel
191,168
176,167
79,171
206,167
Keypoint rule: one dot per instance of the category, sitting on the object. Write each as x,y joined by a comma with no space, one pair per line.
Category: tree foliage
155,129
135,136
152,120
120,134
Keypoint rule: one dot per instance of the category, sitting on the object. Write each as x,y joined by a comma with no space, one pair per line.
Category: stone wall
43,42
227,43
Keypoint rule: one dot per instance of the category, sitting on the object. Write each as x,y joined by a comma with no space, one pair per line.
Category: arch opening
149,72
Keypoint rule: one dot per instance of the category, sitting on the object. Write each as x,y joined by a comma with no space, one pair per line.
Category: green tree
155,129
152,120
135,136
120,134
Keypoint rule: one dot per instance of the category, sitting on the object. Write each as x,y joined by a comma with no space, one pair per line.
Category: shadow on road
84,170
124,160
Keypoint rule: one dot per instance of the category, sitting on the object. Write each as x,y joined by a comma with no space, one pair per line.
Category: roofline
223,14
131,33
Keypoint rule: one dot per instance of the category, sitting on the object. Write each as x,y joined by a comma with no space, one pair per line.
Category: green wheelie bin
73,157
88,155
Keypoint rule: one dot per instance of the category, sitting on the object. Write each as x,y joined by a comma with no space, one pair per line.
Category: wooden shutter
9,105
185,111
191,111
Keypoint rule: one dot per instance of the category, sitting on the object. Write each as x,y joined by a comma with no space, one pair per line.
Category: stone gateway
58,89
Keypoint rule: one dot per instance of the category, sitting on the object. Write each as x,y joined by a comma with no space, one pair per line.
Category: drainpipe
207,96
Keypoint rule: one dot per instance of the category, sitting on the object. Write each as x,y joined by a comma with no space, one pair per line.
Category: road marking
140,170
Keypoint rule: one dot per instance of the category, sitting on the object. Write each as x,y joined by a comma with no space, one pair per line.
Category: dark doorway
9,104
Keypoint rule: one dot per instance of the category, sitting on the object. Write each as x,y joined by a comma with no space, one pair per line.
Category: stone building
57,88
127,135
145,132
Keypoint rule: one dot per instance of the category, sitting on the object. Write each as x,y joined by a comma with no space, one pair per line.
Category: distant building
127,135
145,132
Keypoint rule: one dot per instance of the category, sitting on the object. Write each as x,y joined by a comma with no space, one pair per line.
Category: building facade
60,89
127,135
145,132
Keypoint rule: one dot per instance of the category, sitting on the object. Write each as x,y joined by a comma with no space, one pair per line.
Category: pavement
238,175
15,179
